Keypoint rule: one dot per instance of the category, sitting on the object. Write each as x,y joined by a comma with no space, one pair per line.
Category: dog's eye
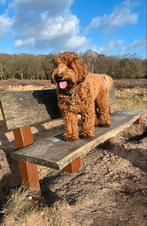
69,64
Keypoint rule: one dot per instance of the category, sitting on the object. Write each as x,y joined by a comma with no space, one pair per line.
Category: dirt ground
110,189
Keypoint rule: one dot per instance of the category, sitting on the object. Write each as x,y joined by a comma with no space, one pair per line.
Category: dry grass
130,83
27,208
130,99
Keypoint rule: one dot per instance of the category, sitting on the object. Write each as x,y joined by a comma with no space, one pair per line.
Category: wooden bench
24,109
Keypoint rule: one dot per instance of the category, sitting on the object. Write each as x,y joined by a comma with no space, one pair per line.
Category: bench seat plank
55,153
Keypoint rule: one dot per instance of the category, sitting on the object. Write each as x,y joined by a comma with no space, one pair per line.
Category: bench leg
28,171
108,141
29,175
73,166
138,121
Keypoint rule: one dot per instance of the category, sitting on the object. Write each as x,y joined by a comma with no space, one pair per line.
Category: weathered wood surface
55,153
29,107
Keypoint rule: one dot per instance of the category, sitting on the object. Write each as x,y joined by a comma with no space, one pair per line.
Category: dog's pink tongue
63,85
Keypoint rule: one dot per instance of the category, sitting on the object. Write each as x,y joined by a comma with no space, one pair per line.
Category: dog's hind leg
88,122
104,109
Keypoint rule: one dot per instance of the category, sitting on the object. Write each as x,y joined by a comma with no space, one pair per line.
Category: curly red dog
81,92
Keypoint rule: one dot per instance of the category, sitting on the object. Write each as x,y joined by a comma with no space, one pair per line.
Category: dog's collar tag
73,94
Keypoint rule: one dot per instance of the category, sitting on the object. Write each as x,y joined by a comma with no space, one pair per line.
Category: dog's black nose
59,77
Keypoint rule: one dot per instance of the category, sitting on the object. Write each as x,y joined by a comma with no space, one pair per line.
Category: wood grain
55,153
30,107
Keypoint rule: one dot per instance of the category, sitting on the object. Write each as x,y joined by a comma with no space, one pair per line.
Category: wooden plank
27,108
55,153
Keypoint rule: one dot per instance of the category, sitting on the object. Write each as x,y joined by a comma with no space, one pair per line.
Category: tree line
26,66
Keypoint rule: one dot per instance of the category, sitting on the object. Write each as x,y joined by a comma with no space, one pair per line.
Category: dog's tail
109,81
111,88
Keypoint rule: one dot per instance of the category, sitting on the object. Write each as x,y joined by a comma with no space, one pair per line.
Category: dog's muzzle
62,83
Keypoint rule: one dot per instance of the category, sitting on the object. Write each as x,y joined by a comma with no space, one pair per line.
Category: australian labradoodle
81,92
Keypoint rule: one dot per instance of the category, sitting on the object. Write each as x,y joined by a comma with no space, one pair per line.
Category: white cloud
29,41
134,45
118,47
5,24
52,7
120,16
47,24
138,43
114,46
55,33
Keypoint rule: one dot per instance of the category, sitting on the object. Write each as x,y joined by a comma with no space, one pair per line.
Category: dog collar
68,93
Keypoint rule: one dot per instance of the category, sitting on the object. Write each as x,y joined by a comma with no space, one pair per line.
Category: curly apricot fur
91,99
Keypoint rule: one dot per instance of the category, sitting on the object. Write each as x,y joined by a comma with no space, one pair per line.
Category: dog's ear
54,64
71,57
82,69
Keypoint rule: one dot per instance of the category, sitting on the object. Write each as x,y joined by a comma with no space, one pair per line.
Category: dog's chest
76,103
69,103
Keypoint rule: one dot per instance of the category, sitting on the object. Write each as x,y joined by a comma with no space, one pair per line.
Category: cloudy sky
113,27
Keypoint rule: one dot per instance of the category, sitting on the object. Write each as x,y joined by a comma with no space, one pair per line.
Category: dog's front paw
104,124
71,138
87,134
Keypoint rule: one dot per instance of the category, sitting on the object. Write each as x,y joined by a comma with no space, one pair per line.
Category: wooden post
108,141
138,121
28,171
73,166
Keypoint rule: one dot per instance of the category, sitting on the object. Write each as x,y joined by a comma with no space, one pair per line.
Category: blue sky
111,27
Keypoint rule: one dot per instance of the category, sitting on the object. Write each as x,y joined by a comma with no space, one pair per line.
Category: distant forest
24,66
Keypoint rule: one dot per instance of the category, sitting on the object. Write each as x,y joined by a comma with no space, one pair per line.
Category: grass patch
130,99
27,208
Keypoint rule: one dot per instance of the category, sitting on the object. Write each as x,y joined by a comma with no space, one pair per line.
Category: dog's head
69,70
